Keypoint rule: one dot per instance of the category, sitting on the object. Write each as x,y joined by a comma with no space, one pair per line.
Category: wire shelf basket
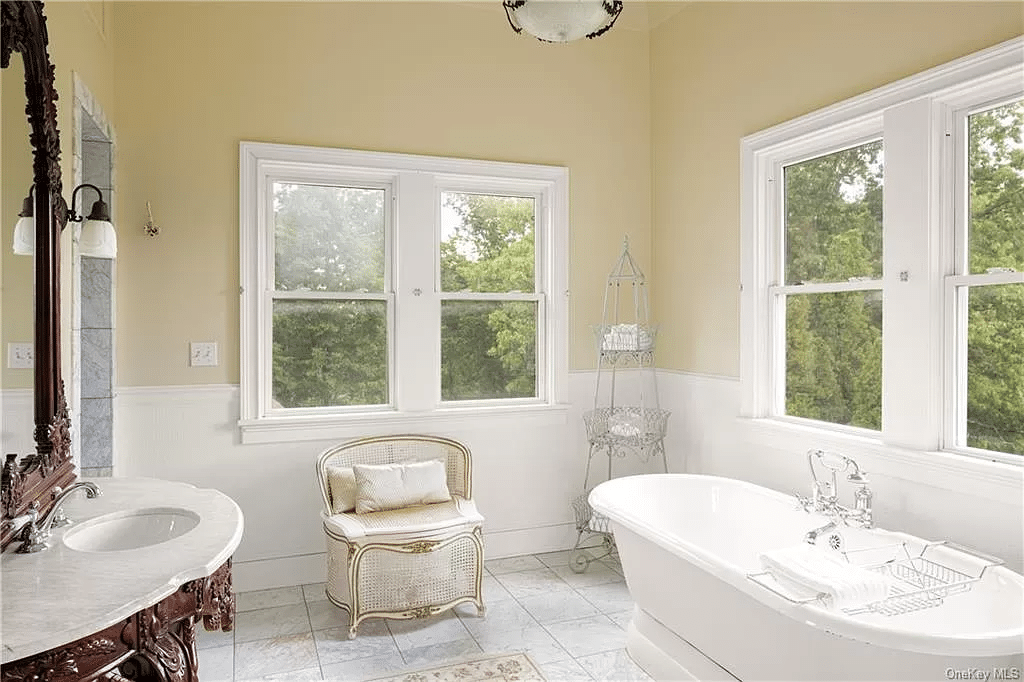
625,337
594,540
917,582
588,520
627,425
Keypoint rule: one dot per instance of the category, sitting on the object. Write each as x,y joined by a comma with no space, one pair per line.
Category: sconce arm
99,208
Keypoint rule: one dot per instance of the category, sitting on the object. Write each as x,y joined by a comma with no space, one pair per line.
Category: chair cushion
380,487
441,518
342,484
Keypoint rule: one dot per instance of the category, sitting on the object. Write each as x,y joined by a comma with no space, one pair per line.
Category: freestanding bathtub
688,545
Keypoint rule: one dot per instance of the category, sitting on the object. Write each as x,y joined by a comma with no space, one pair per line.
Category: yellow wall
722,70
79,42
183,83
193,80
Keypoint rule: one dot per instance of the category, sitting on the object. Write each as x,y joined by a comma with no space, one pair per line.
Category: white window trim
416,404
919,107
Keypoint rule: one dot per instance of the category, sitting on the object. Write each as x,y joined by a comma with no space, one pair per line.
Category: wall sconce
97,239
25,229
562,21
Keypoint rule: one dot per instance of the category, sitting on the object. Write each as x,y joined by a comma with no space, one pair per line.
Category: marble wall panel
97,436
95,170
96,365
96,290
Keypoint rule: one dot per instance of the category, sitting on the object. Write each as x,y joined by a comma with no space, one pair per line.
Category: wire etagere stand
625,340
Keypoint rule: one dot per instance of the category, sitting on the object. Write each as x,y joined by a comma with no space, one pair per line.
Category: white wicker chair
404,563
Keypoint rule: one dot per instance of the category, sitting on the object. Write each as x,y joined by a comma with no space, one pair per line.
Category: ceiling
641,15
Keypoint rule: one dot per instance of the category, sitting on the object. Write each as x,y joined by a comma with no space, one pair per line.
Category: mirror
16,174
34,479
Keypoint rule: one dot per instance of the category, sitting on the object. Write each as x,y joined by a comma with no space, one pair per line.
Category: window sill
335,427
957,472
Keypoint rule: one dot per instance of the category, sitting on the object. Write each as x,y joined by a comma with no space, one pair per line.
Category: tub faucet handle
824,496
862,504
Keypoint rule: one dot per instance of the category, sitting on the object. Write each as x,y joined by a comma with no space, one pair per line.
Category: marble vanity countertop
57,595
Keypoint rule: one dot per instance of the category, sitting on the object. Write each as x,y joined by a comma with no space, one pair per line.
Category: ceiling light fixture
562,21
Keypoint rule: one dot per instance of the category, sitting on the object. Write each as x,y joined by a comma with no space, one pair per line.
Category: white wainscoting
527,474
16,423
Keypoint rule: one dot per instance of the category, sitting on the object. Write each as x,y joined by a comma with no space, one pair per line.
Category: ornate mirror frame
35,479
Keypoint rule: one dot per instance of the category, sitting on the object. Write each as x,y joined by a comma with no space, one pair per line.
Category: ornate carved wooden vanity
158,641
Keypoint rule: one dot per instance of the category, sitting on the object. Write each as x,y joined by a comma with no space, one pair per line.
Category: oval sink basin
132,529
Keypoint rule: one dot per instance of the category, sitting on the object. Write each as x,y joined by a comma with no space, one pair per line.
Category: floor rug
503,667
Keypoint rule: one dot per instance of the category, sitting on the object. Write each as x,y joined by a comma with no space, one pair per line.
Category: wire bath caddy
917,582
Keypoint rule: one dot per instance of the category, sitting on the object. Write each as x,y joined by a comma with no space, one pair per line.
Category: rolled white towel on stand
822,571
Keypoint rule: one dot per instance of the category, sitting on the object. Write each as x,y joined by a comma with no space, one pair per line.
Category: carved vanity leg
166,646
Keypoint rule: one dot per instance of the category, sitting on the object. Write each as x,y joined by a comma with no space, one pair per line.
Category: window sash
267,376
773,399
956,290
341,179
321,176
540,341
500,187
777,325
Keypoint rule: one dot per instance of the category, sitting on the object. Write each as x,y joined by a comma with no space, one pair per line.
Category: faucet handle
60,519
18,523
33,538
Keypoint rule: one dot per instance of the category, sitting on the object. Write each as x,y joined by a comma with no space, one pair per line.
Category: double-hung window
397,289
328,300
829,291
883,264
489,296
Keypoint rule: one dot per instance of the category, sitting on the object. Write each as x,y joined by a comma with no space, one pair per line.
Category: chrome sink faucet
37,532
825,499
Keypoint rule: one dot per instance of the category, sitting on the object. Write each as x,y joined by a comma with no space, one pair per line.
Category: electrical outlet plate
20,356
203,354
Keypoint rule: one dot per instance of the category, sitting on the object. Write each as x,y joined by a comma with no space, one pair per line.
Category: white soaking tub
689,545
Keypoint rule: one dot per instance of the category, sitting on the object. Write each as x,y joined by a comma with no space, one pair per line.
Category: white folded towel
627,337
822,571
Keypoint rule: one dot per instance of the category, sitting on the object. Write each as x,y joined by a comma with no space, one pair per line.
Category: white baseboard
265,574
501,544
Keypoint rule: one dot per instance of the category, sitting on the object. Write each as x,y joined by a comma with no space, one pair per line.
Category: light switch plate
20,356
203,354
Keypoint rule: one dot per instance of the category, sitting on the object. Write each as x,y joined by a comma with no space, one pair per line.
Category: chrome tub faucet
825,498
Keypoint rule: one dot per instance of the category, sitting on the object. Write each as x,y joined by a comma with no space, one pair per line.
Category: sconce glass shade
562,21
25,236
98,239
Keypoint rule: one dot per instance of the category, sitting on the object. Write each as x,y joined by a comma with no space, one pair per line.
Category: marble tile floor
571,625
